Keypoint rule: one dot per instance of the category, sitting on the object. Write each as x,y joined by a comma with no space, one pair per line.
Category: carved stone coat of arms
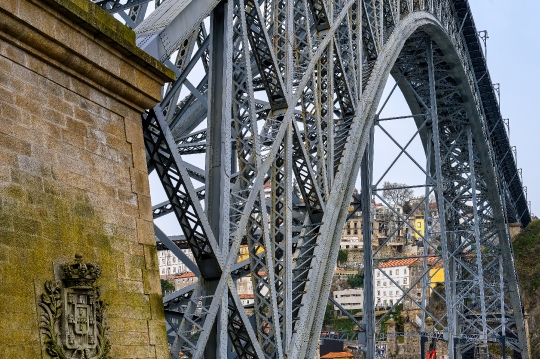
73,320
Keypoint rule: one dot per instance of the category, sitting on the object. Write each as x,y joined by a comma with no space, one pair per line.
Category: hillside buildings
170,265
392,227
350,299
390,279
395,277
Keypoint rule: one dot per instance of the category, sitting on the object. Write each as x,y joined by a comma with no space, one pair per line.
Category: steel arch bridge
288,100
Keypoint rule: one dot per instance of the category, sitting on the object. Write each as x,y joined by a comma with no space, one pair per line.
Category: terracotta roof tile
186,275
405,262
332,355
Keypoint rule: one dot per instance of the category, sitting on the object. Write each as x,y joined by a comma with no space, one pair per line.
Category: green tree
407,208
166,286
342,256
329,314
356,281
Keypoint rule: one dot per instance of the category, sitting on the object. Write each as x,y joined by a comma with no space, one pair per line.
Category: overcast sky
513,50
513,54
513,59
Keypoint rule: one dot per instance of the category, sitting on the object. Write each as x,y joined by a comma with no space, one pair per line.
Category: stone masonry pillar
78,261
392,340
515,229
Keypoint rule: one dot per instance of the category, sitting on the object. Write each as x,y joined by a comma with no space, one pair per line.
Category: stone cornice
93,45
101,23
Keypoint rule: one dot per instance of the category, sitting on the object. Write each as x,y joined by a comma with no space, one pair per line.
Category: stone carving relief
73,317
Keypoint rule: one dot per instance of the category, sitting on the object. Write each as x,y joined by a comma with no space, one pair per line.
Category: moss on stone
101,22
67,224
528,267
526,246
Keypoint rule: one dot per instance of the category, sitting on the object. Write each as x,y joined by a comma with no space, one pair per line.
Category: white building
350,299
391,274
170,265
184,280
350,243
247,299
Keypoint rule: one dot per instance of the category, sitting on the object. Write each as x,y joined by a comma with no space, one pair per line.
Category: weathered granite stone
73,177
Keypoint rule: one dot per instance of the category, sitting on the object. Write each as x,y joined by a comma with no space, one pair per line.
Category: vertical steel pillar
440,201
217,167
286,332
423,341
476,220
366,176
426,239
503,312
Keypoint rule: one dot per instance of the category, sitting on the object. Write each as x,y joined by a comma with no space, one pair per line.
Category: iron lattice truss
285,100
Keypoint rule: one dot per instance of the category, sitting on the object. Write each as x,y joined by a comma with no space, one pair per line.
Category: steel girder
287,102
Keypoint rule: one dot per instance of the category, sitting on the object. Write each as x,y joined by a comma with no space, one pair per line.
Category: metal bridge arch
288,96
426,28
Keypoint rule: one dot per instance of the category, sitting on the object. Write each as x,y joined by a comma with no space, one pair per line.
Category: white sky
513,53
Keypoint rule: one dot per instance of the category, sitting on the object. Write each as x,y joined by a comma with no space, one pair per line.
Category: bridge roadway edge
73,175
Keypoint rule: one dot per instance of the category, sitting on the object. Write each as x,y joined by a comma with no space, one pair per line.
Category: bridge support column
446,247
217,181
366,174
74,182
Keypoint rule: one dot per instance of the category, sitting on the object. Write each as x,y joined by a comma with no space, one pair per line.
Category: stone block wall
73,175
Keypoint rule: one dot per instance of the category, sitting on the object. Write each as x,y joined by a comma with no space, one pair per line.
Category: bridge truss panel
279,98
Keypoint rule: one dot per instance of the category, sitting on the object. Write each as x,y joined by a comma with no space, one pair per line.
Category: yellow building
419,224
244,252
436,275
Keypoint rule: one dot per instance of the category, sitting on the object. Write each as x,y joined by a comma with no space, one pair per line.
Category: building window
378,283
404,280
397,271
390,272
378,292
419,225
384,293
384,284
378,274
405,271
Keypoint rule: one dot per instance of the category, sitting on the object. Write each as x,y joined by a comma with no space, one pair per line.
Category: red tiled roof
246,296
186,275
332,355
405,262
398,263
